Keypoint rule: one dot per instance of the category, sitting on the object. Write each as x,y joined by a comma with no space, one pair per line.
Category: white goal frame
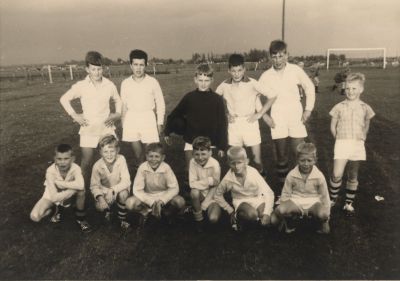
355,49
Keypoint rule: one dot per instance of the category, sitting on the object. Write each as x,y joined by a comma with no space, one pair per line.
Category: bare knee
132,203
123,196
35,217
178,202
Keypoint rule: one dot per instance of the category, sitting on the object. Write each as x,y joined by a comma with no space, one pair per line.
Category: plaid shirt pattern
351,119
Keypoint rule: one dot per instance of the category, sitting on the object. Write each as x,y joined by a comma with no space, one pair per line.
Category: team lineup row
206,120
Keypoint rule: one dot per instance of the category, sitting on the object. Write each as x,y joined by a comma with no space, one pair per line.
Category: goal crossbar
355,49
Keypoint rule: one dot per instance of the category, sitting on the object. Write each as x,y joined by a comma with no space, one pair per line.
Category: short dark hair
204,69
137,54
201,143
235,60
63,147
277,46
94,58
155,147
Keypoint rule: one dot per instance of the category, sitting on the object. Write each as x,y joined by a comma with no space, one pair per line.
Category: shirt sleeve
138,187
309,89
194,180
264,89
125,177
117,99
160,103
266,193
77,184
222,188
335,111
173,187
55,195
287,189
177,113
70,95
220,89
369,112
95,182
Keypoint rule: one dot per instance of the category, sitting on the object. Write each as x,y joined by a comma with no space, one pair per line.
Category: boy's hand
221,153
254,117
156,209
102,202
111,119
269,121
231,118
80,119
306,116
265,220
168,140
109,196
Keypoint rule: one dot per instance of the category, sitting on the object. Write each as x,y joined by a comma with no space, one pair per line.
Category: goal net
363,57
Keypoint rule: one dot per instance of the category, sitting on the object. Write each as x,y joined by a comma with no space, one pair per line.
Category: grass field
362,247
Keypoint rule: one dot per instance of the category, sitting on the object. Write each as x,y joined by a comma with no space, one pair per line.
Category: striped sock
121,211
334,188
198,216
351,189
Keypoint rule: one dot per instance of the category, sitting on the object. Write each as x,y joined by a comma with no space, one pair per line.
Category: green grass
363,247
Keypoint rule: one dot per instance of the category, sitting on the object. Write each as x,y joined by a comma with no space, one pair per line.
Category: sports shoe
283,226
56,217
107,216
84,226
125,226
349,209
142,222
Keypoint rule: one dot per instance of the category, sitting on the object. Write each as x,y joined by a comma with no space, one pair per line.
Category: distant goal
342,57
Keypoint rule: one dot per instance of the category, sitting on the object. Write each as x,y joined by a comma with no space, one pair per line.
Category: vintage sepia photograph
199,140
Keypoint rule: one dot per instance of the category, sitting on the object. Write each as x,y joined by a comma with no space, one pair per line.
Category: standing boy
203,113
141,95
241,95
111,180
204,177
155,188
305,192
349,126
288,116
63,180
252,198
96,120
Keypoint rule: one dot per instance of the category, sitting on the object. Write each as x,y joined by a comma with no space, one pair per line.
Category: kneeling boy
155,188
252,197
204,176
63,180
110,180
305,192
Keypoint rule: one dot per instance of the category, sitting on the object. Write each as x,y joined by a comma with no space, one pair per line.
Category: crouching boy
305,192
63,180
155,188
252,197
110,180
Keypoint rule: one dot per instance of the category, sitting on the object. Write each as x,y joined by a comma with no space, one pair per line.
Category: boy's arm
118,107
173,187
95,183
334,122
266,193
309,90
219,196
138,188
178,112
287,189
194,182
160,104
55,195
263,110
369,114
65,101
125,181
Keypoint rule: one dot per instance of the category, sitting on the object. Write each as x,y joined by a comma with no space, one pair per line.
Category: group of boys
207,120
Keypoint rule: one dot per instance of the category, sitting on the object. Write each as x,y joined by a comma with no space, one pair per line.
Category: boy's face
109,153
353,90
154,158
203,82
306,162
237,72
138,67
279,59
238,165
95,72
64,160
201,156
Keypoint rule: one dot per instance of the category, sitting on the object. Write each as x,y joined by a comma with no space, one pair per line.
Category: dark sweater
203,114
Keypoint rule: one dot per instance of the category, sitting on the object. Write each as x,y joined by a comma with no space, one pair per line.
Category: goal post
331,50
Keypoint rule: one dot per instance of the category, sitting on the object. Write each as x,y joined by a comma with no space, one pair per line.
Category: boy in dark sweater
200,113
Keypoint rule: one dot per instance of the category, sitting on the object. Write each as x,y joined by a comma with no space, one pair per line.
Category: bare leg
41,209
256,150
214,213
138,150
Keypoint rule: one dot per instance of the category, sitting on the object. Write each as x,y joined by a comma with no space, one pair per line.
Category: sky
54,31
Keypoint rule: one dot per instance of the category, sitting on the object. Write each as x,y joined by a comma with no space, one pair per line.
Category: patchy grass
363,247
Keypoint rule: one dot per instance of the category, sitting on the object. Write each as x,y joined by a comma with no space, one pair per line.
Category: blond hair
355,76
236,152
306,148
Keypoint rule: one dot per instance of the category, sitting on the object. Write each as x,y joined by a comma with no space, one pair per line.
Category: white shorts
304,203
140,126
353,150
91,141
243,133
288,122
255,202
